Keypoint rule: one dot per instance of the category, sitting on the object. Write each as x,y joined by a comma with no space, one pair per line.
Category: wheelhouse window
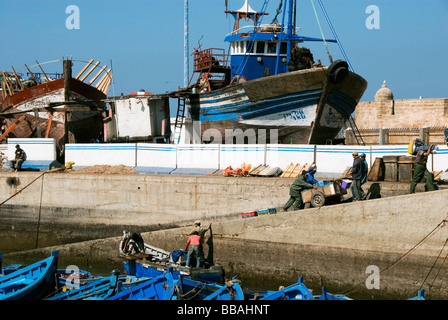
272,48
283,48
260,47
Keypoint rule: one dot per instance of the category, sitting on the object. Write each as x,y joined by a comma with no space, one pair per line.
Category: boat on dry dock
55,105
270,82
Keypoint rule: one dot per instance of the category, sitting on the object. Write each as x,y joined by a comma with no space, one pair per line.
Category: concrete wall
329,246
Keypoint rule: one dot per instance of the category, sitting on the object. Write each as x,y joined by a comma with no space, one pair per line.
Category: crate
346,184
266,211
249,214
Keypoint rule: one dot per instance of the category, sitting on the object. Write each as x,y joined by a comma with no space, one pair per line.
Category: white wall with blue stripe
205,159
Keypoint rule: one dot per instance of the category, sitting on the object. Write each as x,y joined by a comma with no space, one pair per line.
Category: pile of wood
293,170
266,171
106,169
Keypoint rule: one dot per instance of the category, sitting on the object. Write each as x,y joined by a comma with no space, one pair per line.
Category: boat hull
287,103
30,283
142,269
48,98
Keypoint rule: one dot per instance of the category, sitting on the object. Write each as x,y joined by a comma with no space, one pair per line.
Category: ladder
356,132
179,119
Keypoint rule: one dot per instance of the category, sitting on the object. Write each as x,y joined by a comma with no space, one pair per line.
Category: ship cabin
257,55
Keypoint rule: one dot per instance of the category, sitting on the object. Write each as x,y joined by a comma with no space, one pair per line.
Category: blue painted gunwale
32,282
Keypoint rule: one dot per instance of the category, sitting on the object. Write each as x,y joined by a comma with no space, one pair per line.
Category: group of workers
358,171
306,181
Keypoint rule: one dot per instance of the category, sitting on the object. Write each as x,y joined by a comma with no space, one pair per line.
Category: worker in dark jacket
357,175
295,191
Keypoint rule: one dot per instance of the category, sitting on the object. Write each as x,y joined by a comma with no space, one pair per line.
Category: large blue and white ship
268,81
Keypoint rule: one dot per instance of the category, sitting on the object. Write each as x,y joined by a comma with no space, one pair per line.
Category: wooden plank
288,170
103,79
18,78
297,171
90,71
84,69
97,75
12,127
376,173
46,77
49,125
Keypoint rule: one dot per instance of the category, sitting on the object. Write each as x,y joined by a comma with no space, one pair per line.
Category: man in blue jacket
311,172
357,175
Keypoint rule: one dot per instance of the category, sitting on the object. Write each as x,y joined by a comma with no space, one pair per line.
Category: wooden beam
48,79
12,127
49,125
96,76
90,71
103,78
36,116
84,69
18,78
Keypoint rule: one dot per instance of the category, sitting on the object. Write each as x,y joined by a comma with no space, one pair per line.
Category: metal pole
186,45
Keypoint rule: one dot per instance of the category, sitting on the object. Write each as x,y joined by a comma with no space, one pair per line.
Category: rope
40,211
321,32
22,189
432,267
430,234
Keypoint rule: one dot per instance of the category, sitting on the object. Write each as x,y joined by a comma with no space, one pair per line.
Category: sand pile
107,169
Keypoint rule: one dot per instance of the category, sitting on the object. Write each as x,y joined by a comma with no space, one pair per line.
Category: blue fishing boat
231,290
420,295
159,288
33,282
71,277
145,269
269,86
145,261
99,289
9,269
331,296
296,291
189,289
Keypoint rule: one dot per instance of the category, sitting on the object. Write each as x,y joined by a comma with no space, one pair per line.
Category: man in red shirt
193,246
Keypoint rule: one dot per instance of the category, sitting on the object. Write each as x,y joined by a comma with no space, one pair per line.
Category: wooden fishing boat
331,296
296,291
145,261
420,295
159,288
68,109
269,89
9,269
33,282
189,289
99,289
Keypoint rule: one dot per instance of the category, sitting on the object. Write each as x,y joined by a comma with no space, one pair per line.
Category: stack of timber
266,171
294,170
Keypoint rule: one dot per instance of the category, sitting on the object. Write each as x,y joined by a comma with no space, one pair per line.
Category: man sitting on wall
19,158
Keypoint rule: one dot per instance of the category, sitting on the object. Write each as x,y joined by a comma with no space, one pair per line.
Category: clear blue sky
144,39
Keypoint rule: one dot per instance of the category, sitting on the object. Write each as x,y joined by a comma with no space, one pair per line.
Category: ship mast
186,46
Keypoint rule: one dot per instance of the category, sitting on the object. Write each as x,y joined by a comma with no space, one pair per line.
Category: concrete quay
59,208
331,246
